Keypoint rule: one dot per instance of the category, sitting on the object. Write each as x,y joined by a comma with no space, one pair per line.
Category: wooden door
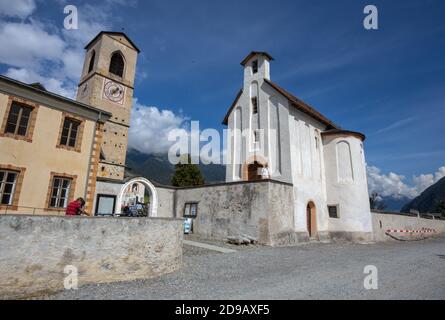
309,220
252,171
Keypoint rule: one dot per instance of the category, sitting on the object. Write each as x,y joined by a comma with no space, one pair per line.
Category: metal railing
33,211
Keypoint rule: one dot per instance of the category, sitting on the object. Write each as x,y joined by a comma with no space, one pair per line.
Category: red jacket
73,208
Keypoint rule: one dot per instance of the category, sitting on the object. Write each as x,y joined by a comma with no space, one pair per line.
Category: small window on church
117,65
93,57
317,143
333,212
255,66
254,105
256,135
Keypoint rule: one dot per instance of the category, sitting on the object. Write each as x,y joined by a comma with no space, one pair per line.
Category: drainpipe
91,161
174,203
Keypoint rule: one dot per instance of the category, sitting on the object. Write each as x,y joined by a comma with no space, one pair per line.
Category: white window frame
58,196
4,182
338,211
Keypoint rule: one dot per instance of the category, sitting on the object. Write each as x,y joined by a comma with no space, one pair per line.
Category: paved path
407,270
208,246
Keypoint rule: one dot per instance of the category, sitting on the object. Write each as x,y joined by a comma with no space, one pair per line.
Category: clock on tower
114,92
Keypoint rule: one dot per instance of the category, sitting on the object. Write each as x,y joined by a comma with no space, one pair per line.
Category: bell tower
107,83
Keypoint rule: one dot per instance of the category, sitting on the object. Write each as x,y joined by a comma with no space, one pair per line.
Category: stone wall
34,250
384,221
234,209
281,215
166,202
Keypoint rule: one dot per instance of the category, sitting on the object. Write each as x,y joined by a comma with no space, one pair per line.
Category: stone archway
154,195
311,218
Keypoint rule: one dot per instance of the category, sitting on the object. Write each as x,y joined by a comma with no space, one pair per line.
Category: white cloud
17,8
47,53
393,185
390,184
424,181
151,126
395,125
27,45
67,89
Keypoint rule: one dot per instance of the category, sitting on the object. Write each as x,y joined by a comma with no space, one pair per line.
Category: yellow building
53,149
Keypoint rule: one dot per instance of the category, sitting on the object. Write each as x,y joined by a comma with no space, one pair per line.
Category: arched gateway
153,211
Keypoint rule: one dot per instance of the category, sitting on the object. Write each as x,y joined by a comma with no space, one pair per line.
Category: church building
292,174
273,129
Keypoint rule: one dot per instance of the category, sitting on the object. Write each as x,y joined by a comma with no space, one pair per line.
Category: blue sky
388,83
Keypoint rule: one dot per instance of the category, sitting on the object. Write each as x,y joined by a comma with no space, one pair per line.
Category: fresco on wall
133,195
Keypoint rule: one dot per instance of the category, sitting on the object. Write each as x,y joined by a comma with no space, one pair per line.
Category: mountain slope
429,199
156,167
395,204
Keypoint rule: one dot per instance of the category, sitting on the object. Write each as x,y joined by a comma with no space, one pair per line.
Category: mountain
429,199
158,168
395,204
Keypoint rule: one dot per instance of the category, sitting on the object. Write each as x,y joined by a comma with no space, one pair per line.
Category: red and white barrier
423,230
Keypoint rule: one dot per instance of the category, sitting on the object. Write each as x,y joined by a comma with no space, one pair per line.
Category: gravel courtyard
406,270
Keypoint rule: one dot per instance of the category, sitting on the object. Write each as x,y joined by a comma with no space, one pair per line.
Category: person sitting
126,212
76,208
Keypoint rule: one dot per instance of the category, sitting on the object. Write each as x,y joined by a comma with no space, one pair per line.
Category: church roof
113,33
253,53
302,106
226,118
332,132
297,103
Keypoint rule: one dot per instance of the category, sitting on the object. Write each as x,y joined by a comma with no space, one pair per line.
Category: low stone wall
165,200
385,221
34,251
261,209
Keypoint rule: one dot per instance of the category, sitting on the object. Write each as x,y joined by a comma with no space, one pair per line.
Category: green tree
441,208
187,174
376,202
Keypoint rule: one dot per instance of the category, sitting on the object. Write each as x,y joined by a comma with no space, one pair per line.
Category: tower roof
115,34
253,53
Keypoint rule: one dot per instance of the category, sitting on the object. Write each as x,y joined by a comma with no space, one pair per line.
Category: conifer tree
187,174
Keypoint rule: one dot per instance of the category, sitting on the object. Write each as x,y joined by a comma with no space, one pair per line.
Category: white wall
273,114
307,169
384,221
347,190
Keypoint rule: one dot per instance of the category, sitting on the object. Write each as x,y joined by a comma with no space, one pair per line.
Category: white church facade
325,165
